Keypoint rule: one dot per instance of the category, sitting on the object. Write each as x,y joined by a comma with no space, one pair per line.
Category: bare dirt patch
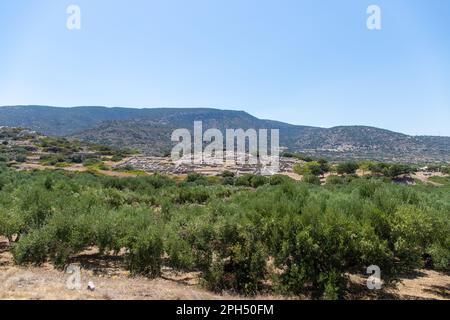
424,177
113,282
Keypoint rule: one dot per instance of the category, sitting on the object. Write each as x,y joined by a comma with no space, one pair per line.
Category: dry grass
113,282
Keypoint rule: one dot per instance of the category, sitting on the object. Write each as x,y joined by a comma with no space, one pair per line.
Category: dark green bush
228,181
32,248
192,195
279,179
312,179
244,180
197,179
396,170
91,162
335,180
258,181
348,167
145,253
228,174
21,158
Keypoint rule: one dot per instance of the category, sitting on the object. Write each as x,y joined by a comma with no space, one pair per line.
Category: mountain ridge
149,130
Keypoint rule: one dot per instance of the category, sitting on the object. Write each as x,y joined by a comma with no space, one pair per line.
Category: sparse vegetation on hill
18,144
149,131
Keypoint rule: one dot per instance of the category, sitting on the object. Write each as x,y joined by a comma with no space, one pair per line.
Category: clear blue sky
310,62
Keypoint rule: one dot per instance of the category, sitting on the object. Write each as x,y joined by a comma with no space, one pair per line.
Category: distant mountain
149,130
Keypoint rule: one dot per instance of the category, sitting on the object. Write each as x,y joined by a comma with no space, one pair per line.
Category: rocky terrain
149,131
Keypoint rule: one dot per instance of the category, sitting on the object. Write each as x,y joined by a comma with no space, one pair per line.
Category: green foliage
117,158
21,158
92,162
348,167
11,223
258,181
192,195
145,253
440,180
440,256
248,236
279,179
228,174
335,180
52,160
315,168
228,181
196,178
32,248
396,170
243,181
251,180
378,168
298,156
239,264
312,179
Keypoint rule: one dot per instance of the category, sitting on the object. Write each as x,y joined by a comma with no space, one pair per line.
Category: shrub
192,195
348,167
145,251
258,181
238,261
311,168
21,158
52,159
91,162
440,256
396,170
228,181
312,179
279,179
11,223
316,259
62,165
410,235
334,180
116,158
243,181
228,174
32,248
104,167
179,252
196,178
77,158
377,168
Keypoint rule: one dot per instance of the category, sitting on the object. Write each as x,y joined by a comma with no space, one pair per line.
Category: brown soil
422,176
113,282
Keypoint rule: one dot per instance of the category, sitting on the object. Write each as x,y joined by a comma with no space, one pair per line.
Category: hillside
149,130
140,230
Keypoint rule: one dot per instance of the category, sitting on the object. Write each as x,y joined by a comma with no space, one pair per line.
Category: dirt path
113,282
